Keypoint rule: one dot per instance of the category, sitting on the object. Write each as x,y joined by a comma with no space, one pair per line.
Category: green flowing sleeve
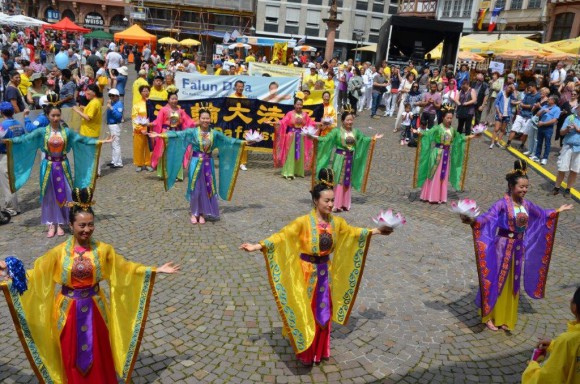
86,152
362,159
21,154
459,151
230,151
424,157
325,149
176,143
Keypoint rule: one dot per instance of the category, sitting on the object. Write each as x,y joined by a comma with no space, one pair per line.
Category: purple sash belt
57,178
445,159
297,136
84,320
322,311
206,170
502,232
348,168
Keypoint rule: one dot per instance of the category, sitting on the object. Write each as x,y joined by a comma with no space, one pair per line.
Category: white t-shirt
407,118
115,60
555,75
25,53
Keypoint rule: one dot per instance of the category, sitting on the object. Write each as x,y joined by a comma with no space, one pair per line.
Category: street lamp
358,34
501,24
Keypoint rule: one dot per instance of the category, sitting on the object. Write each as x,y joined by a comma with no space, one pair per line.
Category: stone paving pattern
414,321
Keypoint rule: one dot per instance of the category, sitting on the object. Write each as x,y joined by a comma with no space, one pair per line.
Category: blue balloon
61,60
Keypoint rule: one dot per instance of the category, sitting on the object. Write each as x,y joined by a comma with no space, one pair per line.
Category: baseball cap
512,76
114,92
311,65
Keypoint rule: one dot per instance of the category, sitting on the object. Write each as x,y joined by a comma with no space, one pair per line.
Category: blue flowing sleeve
21,152
176,143
86,152
230,151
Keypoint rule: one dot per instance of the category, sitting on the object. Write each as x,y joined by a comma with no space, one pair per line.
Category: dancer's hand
3,271
467,220
250,247
169,268
382,231
108,140
544,343
565,207
377,136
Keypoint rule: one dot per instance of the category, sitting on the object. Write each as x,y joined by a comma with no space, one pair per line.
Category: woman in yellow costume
311,289
77,336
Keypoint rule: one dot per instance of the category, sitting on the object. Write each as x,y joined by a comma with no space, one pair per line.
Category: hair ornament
327,180
172,89
349,109
83,206
447,107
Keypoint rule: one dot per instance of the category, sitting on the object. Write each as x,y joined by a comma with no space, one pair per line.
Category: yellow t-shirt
250,59
136,84
92,128
238,97
218,72
24,84
387,72
329,84
158,95
308,79
202,72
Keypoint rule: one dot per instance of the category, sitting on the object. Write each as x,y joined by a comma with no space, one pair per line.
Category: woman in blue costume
56,179
202,189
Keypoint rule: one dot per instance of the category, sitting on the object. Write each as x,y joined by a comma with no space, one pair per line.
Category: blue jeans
375,105
545,137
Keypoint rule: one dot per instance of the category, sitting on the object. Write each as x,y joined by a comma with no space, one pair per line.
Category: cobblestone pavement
216,322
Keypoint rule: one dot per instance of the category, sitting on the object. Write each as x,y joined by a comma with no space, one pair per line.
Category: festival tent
519,43
23,21
136,34
569,45
519,55
367,48
99,35
66,25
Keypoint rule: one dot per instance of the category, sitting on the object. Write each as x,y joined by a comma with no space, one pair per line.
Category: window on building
223,19
378,6
315,2
292,16
270,27
562,26
360,22
313,32
534,4
467,7
500,3
313,19
376,23
516,4
447,8
192,17
291,30
456,12
272,13
362,5
373,38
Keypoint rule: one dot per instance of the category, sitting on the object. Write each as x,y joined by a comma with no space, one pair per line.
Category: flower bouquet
466,207
478,129
310,131
388,219
141,120
253,136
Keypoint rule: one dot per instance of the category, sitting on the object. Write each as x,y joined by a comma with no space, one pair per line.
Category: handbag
102,81
462,112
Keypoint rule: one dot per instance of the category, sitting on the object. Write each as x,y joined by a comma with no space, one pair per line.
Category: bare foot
51,231
201,220
491,326
193,219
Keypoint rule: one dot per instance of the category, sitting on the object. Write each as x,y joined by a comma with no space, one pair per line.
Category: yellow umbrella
168,40
469,56
518,43
521,54
366,48
189,42
465,44
569,45
560,57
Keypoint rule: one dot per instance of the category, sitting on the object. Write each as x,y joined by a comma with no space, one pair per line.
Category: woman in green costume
349,153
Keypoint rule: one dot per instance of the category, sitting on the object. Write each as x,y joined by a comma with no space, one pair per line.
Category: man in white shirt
112,45
189,66
25,53
367,75
558,75
113,60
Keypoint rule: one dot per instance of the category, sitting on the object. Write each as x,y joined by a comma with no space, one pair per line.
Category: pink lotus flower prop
465,207
140,120
327,120
310,131
388,219
253,136
478,129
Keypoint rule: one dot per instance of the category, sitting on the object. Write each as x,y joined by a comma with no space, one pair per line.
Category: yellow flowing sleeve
282,254
131,286
347,268
34,320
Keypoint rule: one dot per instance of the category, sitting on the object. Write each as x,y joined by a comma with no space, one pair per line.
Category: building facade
460,11
362,21
564,22
520,15
107,15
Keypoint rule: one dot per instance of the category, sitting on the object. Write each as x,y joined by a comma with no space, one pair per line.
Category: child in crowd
406,124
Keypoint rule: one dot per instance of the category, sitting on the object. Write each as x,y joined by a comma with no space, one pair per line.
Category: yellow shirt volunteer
329,84
310,79
94,110
158,95
250,59
24,84
136,84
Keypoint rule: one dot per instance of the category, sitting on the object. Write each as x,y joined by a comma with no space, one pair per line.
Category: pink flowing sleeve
186,121
158,144
281,141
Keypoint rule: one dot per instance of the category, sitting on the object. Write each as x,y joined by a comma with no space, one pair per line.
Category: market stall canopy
470,56
168,40
66,25
99,35
367,48
135,34
23,21
519,55
569,45
239,45
560,57
465,44
305,48
189,42
519,43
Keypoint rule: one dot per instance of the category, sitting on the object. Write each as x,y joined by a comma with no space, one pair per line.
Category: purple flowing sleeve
538,244
484,233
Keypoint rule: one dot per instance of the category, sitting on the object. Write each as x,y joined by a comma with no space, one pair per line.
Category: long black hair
82,202
325,183
520,171
576,301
